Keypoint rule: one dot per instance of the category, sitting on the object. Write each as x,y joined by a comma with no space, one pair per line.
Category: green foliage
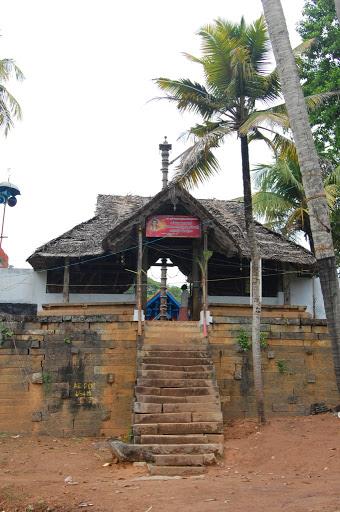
67,340
235,60
5,333
47,381
282,366
281,198
154,287
9,106
243,340
264,340
320,71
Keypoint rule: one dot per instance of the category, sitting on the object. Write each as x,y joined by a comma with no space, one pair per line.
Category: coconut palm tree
281,198
310,170
234,61
238,87
10,109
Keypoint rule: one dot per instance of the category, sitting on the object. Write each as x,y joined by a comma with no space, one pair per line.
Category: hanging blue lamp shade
8,193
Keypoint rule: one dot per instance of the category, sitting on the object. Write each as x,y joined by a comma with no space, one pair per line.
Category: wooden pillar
286,283
66,285
139,279
195,280
145,267
205,282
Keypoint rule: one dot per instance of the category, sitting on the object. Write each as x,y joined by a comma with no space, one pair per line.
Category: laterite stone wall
297,364
73,373
68,375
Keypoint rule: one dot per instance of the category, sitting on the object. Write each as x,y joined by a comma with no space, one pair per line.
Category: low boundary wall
72,373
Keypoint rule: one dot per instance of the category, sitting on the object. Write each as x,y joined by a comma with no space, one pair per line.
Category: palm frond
6,121
258,45
192,58
7,68
282,177
271,205
316,100
198,163
266,118
303,47
189,96
332,194
217,128
333,178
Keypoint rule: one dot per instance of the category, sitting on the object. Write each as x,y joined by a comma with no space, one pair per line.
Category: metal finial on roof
165,148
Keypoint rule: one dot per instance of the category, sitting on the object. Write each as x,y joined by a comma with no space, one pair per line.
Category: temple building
85,351
98,259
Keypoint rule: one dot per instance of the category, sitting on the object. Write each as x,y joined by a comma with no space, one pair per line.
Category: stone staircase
177,409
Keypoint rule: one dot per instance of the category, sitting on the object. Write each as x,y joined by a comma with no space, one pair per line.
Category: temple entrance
171,263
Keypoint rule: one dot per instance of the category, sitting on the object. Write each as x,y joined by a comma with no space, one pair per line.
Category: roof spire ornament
165,149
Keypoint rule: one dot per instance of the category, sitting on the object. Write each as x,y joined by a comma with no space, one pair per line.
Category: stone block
294,409
311,378
238,374
37,378
105,414
36,416
110,378
270,354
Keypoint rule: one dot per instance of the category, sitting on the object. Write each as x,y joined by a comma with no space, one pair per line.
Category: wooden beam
66,285
195,313
205,283
145,267
139,279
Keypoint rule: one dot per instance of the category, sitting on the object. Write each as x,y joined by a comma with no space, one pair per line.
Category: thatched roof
87,239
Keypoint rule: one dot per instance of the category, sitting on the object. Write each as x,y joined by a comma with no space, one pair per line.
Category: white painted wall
306,291
28,286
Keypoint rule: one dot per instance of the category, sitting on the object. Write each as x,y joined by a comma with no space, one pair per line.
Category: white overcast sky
88,125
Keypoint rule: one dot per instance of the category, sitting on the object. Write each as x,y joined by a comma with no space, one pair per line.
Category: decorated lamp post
8,193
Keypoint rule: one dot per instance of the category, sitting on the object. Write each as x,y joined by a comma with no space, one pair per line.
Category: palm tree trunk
337,8
310,170
255,280
310,236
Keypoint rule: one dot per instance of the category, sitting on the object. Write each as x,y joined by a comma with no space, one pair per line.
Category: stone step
177,368
183,439
175,338
164,374
191,407
174,417
183,354
175,470
185,459
154,408
181,325
143,408
185,449
174,383
159,399
187,345
193,391
212,427
178,417
174,361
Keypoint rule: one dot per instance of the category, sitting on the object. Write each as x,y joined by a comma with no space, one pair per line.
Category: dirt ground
291,464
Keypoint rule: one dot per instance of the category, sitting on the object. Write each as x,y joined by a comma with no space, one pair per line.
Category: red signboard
173,226
3,259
